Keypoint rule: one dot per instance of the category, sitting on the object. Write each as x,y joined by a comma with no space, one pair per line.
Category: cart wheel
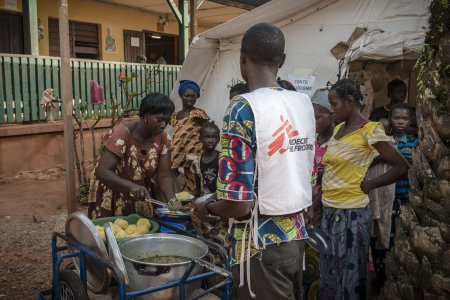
70,286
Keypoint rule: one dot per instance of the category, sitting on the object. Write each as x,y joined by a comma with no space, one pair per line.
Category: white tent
311,27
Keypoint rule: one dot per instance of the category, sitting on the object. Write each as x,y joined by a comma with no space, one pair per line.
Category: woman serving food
136,155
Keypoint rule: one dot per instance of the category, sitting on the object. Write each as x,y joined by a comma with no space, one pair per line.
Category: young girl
186,127
400,118
206,168
346,213
324,131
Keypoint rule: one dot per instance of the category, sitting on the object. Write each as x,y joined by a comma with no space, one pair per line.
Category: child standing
401,116
324,131
400,119
397,92
206,167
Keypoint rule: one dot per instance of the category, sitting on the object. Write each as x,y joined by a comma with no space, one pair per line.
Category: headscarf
188,84
320,97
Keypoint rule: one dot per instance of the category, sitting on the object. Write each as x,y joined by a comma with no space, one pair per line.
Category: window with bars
83,38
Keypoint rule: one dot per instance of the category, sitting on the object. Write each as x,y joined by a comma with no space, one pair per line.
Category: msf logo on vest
287,139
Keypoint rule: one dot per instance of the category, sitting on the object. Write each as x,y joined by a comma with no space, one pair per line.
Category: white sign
303,84
134,42
10,4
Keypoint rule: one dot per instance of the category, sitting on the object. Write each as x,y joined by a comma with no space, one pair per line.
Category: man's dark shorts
276,273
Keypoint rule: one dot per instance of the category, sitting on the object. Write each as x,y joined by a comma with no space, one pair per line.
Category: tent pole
193,18
182,14
66,97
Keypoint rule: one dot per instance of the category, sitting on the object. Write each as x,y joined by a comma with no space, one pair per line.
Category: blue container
167,230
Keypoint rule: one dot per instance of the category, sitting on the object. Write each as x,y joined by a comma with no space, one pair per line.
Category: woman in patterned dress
186,125
135,155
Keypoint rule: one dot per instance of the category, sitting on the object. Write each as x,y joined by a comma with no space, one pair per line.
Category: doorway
134,45
11,33
159,46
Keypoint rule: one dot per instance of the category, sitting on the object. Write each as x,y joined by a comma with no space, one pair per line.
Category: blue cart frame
82,252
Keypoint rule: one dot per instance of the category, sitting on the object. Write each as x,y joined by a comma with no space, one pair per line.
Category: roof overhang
210,13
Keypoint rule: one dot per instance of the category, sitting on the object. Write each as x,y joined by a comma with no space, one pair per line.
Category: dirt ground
32,207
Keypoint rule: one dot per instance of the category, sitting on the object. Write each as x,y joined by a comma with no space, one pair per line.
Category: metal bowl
144,274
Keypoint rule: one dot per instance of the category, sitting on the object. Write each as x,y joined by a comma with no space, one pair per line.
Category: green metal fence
24,78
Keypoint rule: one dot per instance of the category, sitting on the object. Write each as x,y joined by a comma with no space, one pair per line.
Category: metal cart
68,284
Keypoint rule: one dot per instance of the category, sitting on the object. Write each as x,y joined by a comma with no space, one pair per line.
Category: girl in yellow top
346,213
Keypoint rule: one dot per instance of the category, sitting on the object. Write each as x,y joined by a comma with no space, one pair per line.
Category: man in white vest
264,173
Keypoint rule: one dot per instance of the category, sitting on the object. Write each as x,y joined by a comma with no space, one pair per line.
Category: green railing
23,79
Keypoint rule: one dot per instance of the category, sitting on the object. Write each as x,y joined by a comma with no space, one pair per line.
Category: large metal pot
144,275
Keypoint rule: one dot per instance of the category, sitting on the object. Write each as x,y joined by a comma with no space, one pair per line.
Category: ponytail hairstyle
347,87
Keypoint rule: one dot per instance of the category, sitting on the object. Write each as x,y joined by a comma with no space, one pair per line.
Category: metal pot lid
81,229
114,253
173,213
202,199
318,240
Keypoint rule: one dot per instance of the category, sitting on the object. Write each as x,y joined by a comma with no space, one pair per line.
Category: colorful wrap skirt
345,274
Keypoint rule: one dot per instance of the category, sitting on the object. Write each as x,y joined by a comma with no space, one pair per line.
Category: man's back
285,132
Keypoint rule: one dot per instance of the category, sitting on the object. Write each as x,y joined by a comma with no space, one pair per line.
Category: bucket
143,275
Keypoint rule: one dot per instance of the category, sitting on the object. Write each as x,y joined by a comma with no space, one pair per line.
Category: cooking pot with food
156,259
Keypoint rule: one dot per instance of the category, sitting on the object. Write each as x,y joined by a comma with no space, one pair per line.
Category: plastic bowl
131,219
177,225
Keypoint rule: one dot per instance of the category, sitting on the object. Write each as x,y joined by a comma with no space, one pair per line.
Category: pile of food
184,196
122,229
176,203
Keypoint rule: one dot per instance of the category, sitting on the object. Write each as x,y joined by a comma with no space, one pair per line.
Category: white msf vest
285,129
285,133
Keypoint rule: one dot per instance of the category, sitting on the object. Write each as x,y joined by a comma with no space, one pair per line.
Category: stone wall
418,267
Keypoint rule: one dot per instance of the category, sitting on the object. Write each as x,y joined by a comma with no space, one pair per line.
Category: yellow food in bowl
121,222
141,229
130,229
115,228
102,234
183,196
120,234
122,229
144,222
